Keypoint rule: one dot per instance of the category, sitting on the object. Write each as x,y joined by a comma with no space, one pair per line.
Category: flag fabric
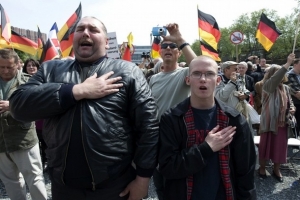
49,52
155,48
66,33
208,29
5,24
267,32
209,51
19,42
40,44
128,48
53,37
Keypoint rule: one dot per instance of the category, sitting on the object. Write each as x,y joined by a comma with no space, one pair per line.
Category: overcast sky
137,16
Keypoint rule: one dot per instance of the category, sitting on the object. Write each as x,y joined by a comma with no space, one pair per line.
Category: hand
175,35
94,88
233,76
290,59
137,188
4,106
219,140
297,94
242,97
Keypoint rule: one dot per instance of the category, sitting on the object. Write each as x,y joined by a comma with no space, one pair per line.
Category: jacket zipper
93,181
186,144
62,175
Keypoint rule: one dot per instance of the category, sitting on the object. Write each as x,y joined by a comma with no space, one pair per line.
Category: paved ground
267,189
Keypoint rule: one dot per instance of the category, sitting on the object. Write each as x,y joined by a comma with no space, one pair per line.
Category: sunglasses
166,45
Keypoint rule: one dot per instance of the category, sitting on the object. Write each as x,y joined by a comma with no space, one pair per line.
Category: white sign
113,50
236,37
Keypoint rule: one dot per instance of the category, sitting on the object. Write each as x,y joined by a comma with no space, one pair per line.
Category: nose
86,33
202,76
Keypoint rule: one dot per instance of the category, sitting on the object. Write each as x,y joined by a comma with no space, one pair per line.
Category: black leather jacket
116,129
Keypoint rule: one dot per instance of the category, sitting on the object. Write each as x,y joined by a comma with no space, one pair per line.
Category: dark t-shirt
207,184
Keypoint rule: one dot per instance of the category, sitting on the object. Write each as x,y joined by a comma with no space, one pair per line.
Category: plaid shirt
294,84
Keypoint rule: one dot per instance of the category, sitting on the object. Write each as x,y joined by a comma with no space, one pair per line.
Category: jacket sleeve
243,159
223,90
143,116
271,84
38,99
175,160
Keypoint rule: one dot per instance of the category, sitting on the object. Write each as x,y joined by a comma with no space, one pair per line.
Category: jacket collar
183,107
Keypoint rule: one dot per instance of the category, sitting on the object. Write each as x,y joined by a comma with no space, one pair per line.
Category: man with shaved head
100,118
206,148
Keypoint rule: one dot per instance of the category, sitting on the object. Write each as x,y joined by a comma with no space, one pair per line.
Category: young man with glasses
206,148
168,87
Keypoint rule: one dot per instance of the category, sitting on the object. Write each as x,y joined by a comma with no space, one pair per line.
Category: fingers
214,130
124,192
105,76
113,80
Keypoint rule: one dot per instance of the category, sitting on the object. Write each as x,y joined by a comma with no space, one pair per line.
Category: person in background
276,105
19,150
294,83
31,66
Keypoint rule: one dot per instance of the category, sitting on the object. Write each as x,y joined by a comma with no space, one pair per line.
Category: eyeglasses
207,75
166,45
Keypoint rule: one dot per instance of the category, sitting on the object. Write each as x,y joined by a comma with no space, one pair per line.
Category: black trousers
110,190
297,116
159,182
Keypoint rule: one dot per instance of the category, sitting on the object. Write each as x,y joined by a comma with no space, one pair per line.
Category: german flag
40,44
19,42
49,52
208,29
66,33
5,23
209,51
267,32
155,48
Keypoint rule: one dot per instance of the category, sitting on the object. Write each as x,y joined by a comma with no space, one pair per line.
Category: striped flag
209,51
53,37
208,29
66,33
19,42
155,48
5,24
40,44
267,32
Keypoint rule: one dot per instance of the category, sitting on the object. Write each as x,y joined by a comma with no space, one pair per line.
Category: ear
219,80
179,53
187,80
106,44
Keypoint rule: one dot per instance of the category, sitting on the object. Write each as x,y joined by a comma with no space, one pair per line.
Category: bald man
197,137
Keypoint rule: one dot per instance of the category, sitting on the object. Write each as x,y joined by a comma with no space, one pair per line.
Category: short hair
34,62
103,26
9,54
271,71
296,61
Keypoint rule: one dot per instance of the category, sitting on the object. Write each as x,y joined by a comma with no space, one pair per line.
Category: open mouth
86,44
203,88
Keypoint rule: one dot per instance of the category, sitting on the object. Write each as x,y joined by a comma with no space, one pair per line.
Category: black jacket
116,129
177,162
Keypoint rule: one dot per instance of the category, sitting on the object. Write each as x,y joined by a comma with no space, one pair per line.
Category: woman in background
276,105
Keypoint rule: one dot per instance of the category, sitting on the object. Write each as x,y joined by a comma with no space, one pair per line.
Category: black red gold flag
155,48
5,23
209,51
208,29
267,32
66,33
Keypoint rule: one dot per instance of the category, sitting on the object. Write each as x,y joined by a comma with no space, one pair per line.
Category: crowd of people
104,127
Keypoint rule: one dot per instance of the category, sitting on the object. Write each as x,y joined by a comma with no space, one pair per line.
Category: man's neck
203,103
168,67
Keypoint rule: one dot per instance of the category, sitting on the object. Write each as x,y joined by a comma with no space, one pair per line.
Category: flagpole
199,31
296,34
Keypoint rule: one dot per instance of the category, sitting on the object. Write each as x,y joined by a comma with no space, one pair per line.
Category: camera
145,55
159,31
